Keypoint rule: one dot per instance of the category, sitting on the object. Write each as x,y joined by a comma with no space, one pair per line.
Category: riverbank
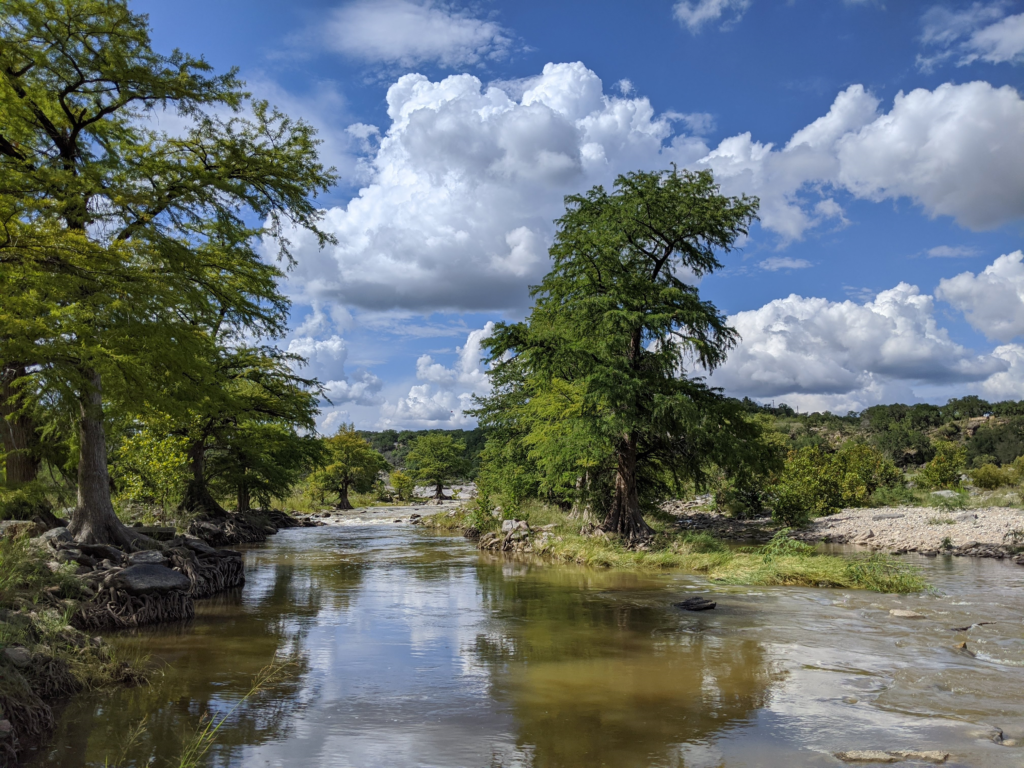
781,561
56,594
43,658
996,532
982,532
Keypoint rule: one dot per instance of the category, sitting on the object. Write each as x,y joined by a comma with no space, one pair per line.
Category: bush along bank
55,593
782,561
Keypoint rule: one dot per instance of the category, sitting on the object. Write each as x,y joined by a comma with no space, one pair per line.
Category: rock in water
867,756
696,604
899,613
146,578
928,756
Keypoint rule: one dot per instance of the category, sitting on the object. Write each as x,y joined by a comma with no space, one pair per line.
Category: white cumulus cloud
326,358
821,353
992,300
445,393
408,33
464,184
957,151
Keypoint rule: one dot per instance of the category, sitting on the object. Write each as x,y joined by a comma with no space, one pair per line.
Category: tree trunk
18,432
439,493
581,508
343,502
198,499
243,496
94,520
624,517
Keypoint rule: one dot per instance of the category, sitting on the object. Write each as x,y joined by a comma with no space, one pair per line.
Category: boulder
899,613
144,579
147,557
54,537
507,525
945,494
19,657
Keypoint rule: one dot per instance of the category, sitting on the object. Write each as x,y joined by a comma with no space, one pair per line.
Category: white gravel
880,528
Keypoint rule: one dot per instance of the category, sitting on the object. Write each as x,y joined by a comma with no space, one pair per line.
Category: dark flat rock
696,604
143,579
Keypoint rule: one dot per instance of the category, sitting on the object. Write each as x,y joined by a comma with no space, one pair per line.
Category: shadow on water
415,650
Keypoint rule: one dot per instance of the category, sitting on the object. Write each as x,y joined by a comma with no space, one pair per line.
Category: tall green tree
437,458
622,339
115,235
352,464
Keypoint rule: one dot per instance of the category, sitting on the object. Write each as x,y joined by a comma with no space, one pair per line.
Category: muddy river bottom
412,649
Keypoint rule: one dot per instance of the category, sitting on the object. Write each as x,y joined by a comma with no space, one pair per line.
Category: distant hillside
992,432
395,445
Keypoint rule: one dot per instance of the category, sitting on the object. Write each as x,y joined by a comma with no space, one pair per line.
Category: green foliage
593,384
22,502
122,260
437,458
781,545
351,464
968,407
404,485
998,443
815,483
150,465
945,469
989,476
395,445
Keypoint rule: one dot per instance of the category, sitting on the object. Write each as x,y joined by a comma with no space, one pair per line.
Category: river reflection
415,650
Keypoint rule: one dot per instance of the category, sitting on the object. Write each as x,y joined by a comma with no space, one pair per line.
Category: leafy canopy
605,378
437,458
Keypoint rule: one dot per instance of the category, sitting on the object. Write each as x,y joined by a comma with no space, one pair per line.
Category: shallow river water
412,649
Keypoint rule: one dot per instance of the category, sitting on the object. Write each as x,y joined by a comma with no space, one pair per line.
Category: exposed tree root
116,609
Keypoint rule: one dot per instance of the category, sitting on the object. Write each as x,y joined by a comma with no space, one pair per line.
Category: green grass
781,562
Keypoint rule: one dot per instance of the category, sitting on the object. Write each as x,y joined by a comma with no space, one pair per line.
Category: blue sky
886,141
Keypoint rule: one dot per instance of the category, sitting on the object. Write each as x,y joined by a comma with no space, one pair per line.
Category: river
413,649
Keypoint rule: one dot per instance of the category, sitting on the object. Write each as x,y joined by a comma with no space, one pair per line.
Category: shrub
404,485
816,483
945,469
989,476
23,502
